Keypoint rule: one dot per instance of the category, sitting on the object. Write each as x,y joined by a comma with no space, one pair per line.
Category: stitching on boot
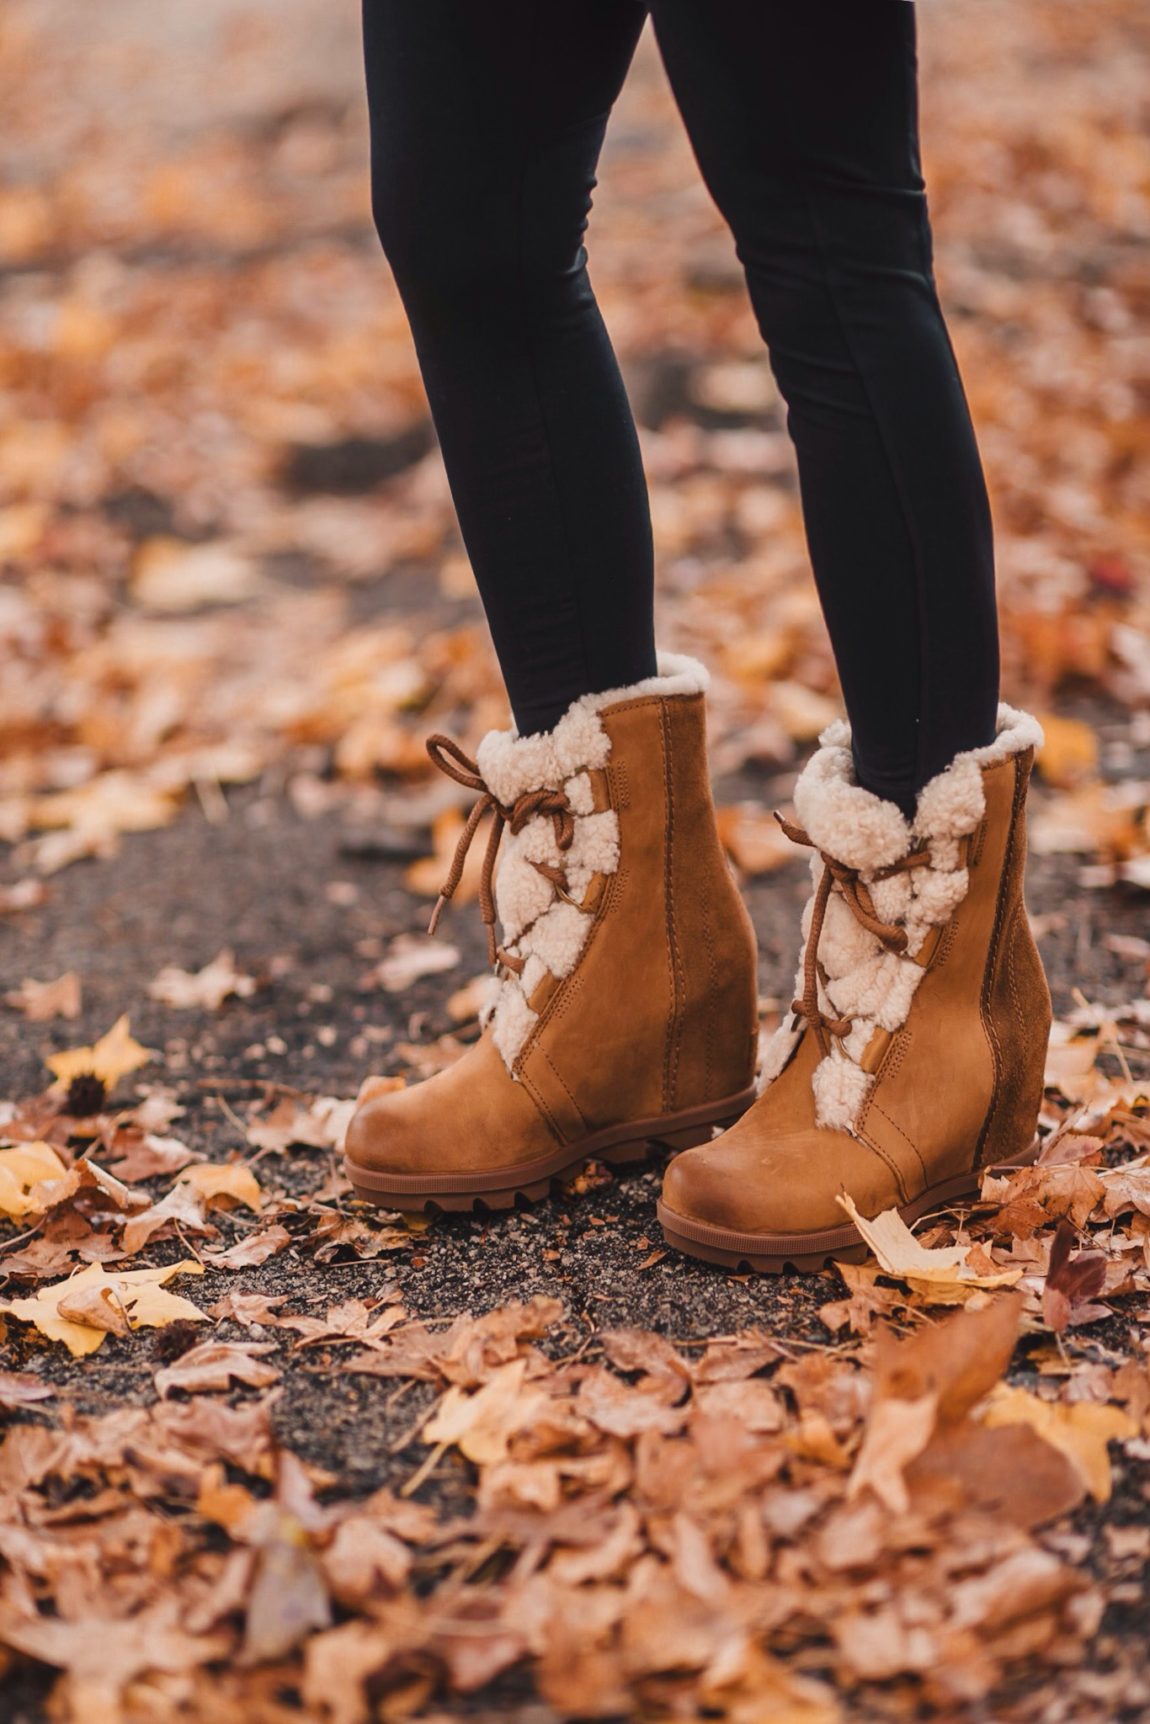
1018,916
946,945
891,1166
552,1123
977,841
671,1041
895,1056
909,1141
713,996
1005,887
563,1085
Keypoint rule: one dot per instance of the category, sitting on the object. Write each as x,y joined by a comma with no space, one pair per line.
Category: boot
912,1057
624,999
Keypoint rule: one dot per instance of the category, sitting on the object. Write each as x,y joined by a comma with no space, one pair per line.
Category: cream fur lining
538,925
860,979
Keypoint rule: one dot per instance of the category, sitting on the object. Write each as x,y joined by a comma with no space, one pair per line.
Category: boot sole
626,1145
773,1253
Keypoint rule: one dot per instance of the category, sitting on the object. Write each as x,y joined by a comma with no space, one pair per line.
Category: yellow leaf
1070,751
21,1170
111,1058
753,838
941,1273
1080,1429
140,1293
232,1179
481,1425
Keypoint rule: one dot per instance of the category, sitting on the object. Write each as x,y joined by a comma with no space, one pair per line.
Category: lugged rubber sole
625,1145
773,1253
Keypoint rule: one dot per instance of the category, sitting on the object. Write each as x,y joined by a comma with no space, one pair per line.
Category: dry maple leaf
206,989
24,1169
22,1389
941,1275
318,1122
92,818
253,1249
1072,1282
179,1208
927,1382
482,1426
1082,1430
753,838
42,1001
217,1365
140,1292
103,1654
99,1068
411,956
223,1183
1069,752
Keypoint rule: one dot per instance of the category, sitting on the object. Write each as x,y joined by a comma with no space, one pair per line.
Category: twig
424,1472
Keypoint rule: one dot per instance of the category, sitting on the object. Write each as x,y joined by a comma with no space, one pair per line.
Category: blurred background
230,580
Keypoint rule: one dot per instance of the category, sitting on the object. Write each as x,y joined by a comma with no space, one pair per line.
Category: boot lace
856,895
451,759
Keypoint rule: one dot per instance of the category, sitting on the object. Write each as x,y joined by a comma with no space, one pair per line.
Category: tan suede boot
913,1057
624,1009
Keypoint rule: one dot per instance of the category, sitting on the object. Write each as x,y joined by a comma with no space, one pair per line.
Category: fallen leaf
217,1365
109,1059
753,838
255,1248
1072,1282
141,1293
482,1425
1069,752
41,1001
941,1272
24,1170
410,957
206,989
289,1599
220,1183
22,1389
1082,1430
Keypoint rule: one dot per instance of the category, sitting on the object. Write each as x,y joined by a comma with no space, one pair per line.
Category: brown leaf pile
653,1529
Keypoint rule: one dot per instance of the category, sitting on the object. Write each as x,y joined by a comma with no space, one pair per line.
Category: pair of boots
624,1007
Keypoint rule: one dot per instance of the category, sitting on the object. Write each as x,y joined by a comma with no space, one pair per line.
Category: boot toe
379,1135
695,1184
788,1184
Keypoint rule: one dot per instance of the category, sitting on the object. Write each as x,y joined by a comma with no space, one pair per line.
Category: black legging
487,118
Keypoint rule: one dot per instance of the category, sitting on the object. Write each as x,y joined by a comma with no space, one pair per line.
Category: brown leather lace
450,758
857,897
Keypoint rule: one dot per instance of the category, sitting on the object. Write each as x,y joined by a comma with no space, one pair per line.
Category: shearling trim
550,932
858,977
511,1023
511,763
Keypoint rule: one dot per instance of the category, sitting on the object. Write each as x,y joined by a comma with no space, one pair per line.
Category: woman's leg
804,121
487,118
